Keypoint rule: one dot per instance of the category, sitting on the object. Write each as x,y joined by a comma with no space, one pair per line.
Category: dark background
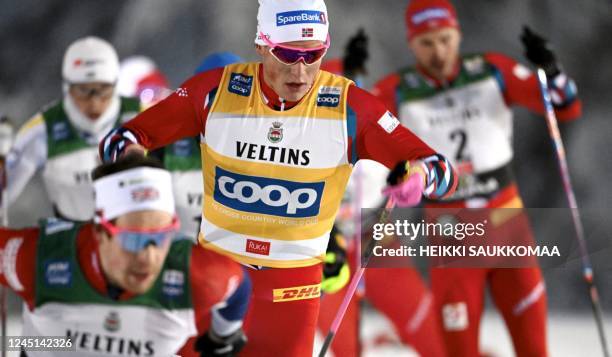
177,34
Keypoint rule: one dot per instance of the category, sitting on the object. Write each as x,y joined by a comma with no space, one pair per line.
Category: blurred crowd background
177,34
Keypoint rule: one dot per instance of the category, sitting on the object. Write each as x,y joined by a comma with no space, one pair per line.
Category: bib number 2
460,136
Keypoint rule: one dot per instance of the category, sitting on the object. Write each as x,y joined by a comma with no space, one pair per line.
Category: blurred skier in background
139,77
60,141
461,106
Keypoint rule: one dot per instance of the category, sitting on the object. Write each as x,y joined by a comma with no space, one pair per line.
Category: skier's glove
538,52
336,272
212,345
405,183
356,54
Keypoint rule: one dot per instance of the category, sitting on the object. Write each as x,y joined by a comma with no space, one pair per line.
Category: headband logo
430,14
300,17
145,194
86,62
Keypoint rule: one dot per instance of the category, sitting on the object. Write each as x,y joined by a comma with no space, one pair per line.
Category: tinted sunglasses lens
86,92
136,241
289,56
313,56
285,55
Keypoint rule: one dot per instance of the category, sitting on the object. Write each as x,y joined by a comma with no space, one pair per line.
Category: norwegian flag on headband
307,32
145,194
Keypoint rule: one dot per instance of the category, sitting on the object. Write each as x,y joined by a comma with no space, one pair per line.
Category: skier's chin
294,91
93,116
139,283
438,70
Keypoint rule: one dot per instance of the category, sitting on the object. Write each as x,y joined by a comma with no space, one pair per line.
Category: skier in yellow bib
278,141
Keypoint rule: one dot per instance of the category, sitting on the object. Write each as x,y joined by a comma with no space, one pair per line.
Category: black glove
398,174
538,52
337,246
212,345
356,54
336,272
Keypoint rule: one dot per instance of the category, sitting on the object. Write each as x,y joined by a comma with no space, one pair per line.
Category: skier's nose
298,70
95,107
146,256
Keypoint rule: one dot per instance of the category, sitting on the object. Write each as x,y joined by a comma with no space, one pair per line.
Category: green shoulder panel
414,86
474,68
172,289
63,138
129,104
59,277
130,107
183,155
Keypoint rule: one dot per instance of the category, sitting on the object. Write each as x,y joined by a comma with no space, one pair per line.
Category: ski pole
587,269
384,216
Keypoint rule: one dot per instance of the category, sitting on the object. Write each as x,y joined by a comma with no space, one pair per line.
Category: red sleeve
386,89
18,263
182,114
379,135
520,87
213,278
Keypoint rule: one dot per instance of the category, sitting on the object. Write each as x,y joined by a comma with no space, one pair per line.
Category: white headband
292,20
138,189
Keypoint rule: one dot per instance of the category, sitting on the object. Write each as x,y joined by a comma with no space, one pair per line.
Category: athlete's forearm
28,154
520,87
18,174
182,114
160,125
381,137
18,260
227,316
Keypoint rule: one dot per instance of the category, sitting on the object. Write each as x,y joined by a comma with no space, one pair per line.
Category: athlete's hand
336,272
135,149
356,54
538,52
406,183
211,344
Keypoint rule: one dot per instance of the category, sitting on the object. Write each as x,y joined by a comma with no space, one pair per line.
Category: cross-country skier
128,284
410,306
278,141
60,141
460,104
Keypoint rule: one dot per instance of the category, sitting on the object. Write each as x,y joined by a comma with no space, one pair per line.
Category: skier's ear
101,234
261,50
